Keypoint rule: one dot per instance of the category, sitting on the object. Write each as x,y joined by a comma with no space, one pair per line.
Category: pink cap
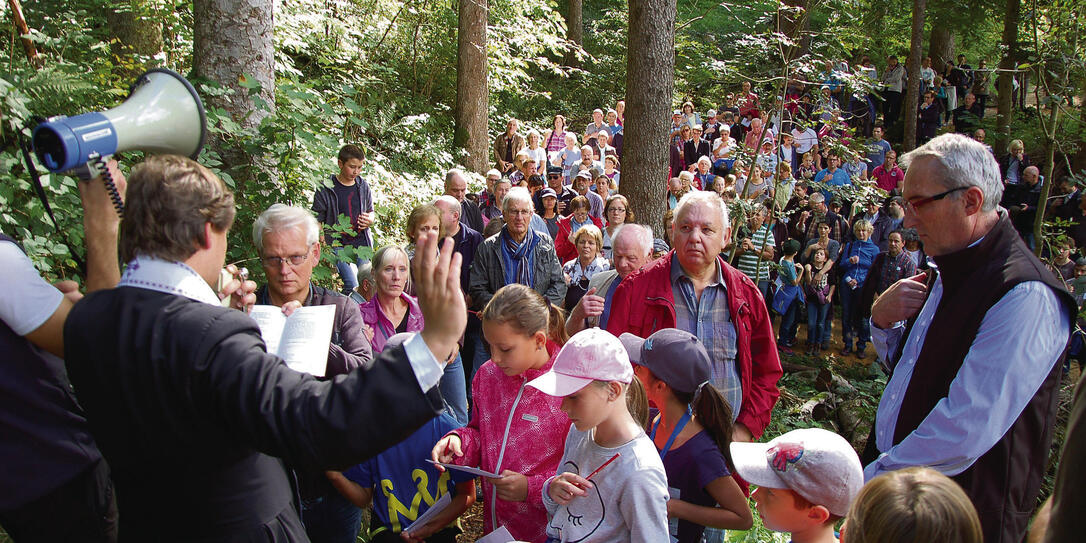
590,355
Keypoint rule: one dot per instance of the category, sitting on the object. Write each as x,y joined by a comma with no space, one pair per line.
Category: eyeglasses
277,261
915,205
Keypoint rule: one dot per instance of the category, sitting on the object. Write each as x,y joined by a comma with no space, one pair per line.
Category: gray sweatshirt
628,501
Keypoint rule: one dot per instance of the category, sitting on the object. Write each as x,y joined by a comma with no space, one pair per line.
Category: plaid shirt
710,320
892,269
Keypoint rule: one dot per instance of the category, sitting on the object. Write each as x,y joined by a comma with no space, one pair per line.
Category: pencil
603,466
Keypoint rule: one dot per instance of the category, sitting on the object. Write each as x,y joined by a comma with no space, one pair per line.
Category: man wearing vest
975,344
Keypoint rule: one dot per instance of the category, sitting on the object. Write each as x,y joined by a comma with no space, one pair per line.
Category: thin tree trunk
941,46
574,31
471,85
650,72
1007,65
912,88
21,26
794,23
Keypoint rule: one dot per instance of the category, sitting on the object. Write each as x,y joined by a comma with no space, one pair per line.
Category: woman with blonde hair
589,241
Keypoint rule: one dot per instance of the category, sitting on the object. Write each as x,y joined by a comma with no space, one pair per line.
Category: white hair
817,198
493,172
281,217
453,203
687,176
516,194
640,233
706,197
966,163
365,272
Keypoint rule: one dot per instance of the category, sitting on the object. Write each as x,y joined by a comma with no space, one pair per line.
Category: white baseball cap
590,355
817,464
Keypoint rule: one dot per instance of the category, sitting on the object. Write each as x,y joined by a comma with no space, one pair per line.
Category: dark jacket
326,206
1005,164
196,420
488,272
695,149
470,215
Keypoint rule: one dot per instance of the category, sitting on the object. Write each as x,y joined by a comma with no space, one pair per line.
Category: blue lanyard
674,433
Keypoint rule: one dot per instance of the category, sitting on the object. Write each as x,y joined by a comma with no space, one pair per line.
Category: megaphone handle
111,186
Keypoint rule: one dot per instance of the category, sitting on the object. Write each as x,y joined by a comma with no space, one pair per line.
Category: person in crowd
288,242
982,83
506,147
806,480
629,500
602,147
610,169
967,73
1064,522
1074,210
747,102
927,116
806,228
694,289
564,246
581,184
550,213
466,242
768,158
391,483
889,267
783,186
1020,201
56,484
696,147
633,245
676,164
888,175
568,157
828,107
516,255
791,279
562,192
500,186
524,165
878,147
677,125
217,408
555,138
601,186
894,80
807,170
927,74
703,175
787,153
393,311
365,289
822,241
348,196
911,504
942,97
1014,162
617,212
675,192
754,253
692,433
880,221
593,128
456,186
614,126
537,151
690,116
818,290
712,127
852,266
967,116
620,112
588,262
914,248
856,168
895,211
806,141
756,187
515,432
757,135
423,218
964,407
588,162
980,135
722,154
833,175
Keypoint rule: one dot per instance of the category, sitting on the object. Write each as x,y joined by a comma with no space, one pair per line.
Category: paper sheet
501,535
432,512
473,471
302,339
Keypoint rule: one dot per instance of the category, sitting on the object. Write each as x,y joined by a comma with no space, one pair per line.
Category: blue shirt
877,154
838,178
1019,341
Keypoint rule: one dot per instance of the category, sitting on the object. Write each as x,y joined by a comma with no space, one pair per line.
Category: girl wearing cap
610,485
515,431
550,211
692,432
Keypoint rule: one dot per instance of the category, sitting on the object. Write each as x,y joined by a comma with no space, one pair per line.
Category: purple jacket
383,328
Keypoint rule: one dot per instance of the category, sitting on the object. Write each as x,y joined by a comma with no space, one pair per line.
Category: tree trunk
941,46
136,28
650,72
574,31
471,86
1007,65
232,42
912,66
793,21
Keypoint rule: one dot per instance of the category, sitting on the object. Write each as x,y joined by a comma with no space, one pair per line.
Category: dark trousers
818,322
331,519
853,324
893,108
83,509
790,322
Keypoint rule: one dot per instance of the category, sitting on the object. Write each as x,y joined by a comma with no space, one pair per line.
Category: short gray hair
453,204
640,233
706,197
365,272
966,163
516,194
817,198
453,174
281,217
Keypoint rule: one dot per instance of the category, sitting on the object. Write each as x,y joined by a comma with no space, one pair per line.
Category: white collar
169,277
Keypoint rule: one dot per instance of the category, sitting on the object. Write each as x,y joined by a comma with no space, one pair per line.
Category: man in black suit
196,420
696,148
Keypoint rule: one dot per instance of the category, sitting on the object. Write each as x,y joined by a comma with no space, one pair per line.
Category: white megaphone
163,114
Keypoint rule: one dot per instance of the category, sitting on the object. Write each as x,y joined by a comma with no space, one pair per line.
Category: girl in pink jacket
515,431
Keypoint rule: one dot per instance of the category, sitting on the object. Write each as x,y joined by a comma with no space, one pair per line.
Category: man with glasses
288,241
564,193
975,343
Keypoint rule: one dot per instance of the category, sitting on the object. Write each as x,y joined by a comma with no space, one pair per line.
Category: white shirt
28,300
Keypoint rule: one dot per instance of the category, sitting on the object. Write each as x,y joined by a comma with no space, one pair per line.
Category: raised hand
437,282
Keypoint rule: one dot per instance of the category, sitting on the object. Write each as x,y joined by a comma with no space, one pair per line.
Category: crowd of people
599,383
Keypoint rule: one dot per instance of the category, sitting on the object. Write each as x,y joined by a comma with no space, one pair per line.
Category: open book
302,339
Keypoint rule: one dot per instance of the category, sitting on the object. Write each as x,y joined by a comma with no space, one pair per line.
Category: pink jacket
537,435
383,328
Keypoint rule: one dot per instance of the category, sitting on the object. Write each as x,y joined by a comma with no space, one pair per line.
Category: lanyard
674,433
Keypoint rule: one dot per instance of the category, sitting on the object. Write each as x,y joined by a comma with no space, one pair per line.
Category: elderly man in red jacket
694,289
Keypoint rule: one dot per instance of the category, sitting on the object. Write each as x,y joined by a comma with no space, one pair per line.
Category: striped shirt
748,261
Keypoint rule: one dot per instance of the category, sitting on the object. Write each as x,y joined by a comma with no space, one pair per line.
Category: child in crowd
818,289
912,504
692,433
806,479
611,484
791,295
408,486
515,431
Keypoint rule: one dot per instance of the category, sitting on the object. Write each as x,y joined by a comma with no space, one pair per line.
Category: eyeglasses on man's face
914,204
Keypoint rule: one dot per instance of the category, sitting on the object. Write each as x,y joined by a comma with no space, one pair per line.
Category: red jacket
643,303
563,247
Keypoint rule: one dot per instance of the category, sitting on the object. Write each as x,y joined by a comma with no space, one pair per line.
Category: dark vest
44,440
1004,482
